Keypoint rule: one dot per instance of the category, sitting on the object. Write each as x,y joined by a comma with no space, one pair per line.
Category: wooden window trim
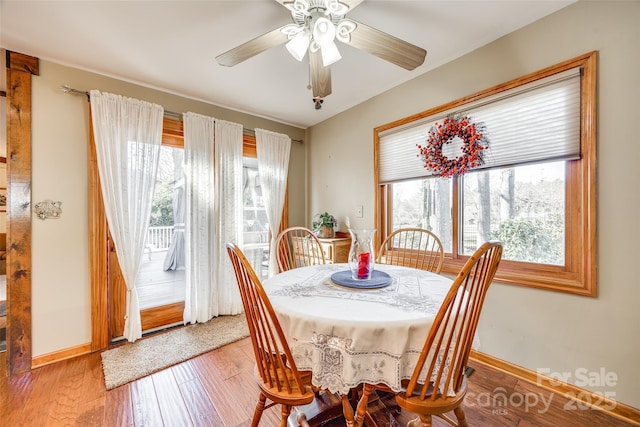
578,275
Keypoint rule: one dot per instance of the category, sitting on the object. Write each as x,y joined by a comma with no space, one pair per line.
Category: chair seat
278,392
431,406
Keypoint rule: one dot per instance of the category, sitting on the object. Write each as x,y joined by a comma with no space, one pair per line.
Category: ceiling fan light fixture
299,44
344,29
324,32
298,7
315,27
335,7
330,54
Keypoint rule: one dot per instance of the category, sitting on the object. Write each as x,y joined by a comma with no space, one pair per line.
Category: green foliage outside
526,216
162,207
169,169
530,241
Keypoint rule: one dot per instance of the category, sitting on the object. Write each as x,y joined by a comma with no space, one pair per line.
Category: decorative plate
379,279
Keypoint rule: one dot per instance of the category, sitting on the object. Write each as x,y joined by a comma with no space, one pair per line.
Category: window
535,192
256,234
433,213
523,207
161,279
255,221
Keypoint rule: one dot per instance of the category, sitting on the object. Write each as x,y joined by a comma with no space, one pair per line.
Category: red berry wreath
474,144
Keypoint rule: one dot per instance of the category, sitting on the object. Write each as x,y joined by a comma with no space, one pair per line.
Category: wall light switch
359,210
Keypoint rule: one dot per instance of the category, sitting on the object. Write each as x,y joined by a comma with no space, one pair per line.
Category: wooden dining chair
276,374
446,350
298,247
412,247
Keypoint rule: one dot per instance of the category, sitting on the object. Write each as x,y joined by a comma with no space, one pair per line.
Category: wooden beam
19,70
23,63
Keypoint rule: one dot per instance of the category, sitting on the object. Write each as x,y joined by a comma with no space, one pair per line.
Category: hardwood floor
218,389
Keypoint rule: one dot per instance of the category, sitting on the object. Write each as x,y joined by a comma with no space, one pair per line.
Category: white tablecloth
351,336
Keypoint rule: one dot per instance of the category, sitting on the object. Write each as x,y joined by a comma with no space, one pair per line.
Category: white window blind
535,122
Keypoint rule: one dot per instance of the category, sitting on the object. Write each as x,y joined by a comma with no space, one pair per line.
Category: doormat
132,361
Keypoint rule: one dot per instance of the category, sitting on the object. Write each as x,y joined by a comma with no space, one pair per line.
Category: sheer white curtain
228,213
199,134
213,201
128,135
273,166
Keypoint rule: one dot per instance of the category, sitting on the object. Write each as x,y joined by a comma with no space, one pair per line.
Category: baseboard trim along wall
59,356
583,398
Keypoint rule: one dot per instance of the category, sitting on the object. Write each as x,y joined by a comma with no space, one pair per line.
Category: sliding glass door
161,272
255,223
161,279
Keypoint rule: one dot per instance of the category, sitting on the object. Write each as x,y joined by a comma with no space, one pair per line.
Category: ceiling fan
317,24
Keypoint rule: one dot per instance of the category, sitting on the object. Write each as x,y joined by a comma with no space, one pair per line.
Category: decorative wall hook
48,209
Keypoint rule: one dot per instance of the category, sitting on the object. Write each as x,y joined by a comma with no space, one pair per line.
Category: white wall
532,328
61,312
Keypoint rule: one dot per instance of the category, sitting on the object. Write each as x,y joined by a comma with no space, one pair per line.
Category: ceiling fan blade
252,48
320,75
387,47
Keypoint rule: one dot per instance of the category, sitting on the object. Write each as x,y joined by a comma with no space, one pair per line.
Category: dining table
356,332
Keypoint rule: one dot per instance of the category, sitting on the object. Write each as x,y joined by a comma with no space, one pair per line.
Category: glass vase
361,254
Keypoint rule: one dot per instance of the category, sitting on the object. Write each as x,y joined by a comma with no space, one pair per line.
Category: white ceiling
171,46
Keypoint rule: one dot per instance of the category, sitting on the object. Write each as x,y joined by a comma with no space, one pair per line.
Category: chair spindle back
412,247
274,361
446,351
298,247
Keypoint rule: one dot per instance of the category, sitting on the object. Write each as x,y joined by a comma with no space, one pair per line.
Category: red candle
363,265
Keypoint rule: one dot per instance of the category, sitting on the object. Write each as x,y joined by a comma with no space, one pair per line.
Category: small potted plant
324,225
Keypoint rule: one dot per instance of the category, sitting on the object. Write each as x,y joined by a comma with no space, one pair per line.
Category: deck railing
159,238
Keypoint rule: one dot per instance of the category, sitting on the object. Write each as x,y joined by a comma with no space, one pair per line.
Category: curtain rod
177,116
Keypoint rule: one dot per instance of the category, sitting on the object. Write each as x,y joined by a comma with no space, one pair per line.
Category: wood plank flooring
157,287
218,389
